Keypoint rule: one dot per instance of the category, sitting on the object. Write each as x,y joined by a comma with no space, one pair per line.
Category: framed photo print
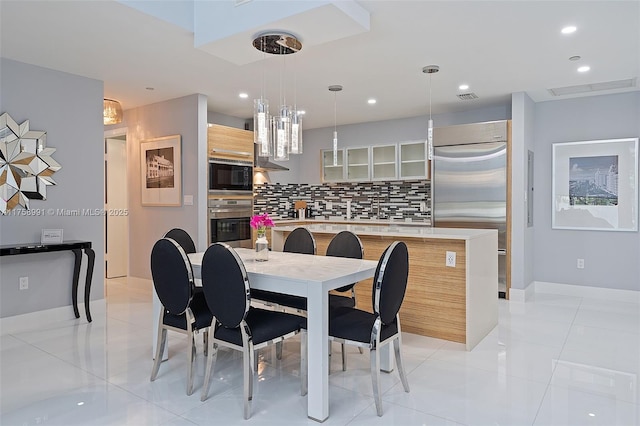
161,171
595,185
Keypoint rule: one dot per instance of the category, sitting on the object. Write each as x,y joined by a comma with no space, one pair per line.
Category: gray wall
69,109
611,258
148,224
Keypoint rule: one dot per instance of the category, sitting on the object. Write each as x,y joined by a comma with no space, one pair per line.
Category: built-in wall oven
230,177
229,222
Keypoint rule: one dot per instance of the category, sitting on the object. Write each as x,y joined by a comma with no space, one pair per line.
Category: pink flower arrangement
261,222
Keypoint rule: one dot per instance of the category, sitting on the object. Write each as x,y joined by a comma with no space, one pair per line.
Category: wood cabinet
229,143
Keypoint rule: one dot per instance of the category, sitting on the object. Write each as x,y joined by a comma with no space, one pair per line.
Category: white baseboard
584,291
520,295
35,320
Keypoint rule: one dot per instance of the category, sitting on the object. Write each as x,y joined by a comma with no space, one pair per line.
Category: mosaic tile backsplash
394,200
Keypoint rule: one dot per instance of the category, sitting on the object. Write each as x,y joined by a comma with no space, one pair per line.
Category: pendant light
335,89
295,146
430,69
261,119
277,141
111,112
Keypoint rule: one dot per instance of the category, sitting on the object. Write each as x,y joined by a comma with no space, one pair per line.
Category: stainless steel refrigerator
469,182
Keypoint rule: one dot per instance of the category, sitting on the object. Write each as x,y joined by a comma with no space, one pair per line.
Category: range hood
263,164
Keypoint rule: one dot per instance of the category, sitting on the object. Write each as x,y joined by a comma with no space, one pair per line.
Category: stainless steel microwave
230,176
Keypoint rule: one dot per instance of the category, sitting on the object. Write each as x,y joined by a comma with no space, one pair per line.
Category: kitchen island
457,303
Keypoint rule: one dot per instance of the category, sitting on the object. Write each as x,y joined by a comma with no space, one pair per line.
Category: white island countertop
388,230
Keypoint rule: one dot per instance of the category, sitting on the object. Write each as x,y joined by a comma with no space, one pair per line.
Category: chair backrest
346,244
172,275
225,285
183,238
390,281
300,240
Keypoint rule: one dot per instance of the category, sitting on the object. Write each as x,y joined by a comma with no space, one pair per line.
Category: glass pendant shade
430,139
112,112
296,133
261,126
335,148
281,131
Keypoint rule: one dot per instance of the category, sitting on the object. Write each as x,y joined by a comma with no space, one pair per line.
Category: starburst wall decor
26,165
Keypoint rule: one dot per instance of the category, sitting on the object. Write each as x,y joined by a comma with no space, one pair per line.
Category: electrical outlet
328,205
450,260
24,283
580,264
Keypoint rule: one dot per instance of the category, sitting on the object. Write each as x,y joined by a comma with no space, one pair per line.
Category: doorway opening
116,204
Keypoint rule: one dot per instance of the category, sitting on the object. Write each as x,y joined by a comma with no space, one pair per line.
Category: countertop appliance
469,182
229,222
230,177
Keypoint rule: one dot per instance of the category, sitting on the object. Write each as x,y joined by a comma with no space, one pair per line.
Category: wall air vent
586,88
467,96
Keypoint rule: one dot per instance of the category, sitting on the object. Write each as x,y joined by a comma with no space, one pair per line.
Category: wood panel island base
457,303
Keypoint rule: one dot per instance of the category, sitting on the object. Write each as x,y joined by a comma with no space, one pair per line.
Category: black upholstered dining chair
374,330
235,323
300,240
345,244
182,309
183,238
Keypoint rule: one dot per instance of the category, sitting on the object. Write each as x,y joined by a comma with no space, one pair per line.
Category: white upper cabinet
413,160
384,162
331,173
358,164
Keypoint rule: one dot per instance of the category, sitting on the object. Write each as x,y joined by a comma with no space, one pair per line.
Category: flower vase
262,247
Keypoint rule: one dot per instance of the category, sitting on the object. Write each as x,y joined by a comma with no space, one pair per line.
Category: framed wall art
161,171
595,185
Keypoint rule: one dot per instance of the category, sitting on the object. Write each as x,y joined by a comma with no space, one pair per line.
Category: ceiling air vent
586,88
467,96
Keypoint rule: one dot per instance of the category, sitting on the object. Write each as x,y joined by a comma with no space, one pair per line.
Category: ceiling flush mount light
283,131
584,68
335,89
112,112
570,29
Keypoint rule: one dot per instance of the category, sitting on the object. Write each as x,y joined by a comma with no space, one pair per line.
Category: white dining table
311,277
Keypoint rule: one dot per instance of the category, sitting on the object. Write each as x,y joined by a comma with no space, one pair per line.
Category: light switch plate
188,200
450,260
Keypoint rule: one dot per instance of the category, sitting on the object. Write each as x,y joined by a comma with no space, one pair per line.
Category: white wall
522,132
69,109
611,258
185,117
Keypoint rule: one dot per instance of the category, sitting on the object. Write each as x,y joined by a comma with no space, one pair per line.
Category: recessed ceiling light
149,88
569,30
574,58
243,95
584,68
463,87
301,112
371,101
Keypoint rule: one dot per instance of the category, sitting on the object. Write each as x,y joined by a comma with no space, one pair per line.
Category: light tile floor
555,360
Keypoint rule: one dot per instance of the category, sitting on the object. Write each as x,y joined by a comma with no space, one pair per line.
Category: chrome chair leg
303,362
375,379
211,361
344,358
279,350
205,342
400,363
160,343
192,357
247,367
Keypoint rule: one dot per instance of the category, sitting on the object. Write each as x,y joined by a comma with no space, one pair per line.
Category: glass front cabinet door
358,164
413,160
384,162
331,172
